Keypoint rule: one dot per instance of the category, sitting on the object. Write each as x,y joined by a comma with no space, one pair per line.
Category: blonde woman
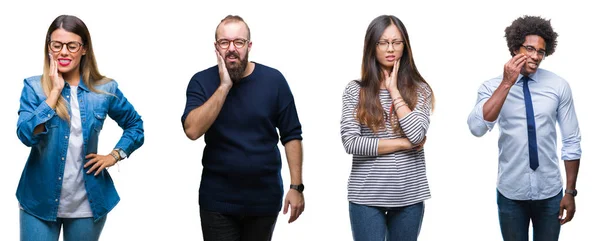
64,182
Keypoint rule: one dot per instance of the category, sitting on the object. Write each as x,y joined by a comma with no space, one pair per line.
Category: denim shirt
40,185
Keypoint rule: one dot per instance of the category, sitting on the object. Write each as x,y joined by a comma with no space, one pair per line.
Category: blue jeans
221,227
74,229
379,223
515,215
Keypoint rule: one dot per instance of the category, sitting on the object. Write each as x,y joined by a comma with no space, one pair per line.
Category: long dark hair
369,110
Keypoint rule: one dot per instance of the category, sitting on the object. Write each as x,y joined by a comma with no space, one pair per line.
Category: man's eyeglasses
238,43
396,45
531,51
57,46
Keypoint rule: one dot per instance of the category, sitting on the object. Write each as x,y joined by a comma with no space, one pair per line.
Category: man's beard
236,70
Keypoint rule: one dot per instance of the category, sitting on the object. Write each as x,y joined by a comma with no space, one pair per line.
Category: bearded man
238,106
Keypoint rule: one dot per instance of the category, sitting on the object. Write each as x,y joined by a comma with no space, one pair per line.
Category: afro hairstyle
530,25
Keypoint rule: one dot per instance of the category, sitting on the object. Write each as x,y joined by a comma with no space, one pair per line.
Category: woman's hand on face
99,163
56,77
391,79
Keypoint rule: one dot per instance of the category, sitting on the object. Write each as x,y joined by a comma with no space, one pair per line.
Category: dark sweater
241,161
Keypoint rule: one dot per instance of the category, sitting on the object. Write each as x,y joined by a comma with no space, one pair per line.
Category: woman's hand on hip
99,162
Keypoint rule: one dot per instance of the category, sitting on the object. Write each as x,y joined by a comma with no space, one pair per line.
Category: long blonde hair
87,66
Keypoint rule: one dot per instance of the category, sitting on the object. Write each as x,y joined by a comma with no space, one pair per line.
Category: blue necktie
532,139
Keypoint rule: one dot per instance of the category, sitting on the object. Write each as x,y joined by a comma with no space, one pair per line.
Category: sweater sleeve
195,96
352,138
288,122
416,123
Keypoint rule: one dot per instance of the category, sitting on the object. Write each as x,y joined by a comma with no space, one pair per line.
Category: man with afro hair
527,102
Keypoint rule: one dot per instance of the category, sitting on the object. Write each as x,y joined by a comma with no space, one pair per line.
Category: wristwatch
298,188
572,192
122,154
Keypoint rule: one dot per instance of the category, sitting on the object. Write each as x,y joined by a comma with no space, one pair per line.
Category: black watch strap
299,188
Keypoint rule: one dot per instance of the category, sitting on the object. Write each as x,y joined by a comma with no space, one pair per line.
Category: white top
73,197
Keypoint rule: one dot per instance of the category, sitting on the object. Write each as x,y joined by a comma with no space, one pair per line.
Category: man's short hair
530,25
232,18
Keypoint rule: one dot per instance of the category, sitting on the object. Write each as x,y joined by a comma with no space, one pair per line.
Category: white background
153,49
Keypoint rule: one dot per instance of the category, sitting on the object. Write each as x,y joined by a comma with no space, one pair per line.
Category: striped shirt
390,180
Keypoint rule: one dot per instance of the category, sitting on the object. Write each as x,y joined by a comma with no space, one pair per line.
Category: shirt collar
83,86
533,77
80,85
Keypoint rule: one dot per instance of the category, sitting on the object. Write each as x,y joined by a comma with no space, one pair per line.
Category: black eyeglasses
531,51
57,46
396,45
238,43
